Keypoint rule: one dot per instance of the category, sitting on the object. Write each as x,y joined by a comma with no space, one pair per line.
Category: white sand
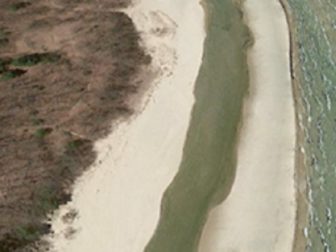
118,200
259,214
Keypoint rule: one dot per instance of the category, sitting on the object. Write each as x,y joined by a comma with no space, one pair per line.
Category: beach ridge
259,214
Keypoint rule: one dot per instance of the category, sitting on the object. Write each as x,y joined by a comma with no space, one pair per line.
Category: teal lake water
316,30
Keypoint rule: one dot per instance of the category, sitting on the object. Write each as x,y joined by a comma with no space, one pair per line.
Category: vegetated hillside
67,69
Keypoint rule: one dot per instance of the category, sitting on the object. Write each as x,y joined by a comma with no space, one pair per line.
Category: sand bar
259,213
118,200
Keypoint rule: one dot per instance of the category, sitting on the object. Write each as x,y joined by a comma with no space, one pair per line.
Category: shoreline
299,243
118,199
258,218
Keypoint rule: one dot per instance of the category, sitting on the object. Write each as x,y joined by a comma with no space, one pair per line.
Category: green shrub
23,235
42,132
3,37
11,74
28,233
3,41
73,145
2,66
37,121
49,197
17,6
34,59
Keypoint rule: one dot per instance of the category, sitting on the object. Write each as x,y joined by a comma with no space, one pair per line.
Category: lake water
315,22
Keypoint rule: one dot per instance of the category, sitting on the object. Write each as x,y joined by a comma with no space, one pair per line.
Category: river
207,169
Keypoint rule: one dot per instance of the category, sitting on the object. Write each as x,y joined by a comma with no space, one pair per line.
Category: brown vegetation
67,68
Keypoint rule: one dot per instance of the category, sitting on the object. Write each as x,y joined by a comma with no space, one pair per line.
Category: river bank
259,214
117,202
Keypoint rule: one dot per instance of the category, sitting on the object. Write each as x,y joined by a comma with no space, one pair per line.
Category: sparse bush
3,41
2,66
37,121
51,163
4,62
42,132
28,233
22,236
11,74
3,37
48,198
74,144
34,59
17,6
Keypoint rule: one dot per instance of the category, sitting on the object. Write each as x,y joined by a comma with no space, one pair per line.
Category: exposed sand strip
118,200
259,214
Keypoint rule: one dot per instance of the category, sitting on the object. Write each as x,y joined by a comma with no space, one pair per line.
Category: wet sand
259,214
118,200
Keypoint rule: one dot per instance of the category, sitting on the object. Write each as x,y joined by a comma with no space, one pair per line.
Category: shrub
11,74
42,132
17,6
34,59
3,37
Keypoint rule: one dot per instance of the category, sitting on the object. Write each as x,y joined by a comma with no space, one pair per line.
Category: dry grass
66,71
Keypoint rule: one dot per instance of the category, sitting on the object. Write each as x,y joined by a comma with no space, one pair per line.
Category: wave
316,34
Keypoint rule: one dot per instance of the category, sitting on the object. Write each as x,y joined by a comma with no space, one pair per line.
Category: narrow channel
208,165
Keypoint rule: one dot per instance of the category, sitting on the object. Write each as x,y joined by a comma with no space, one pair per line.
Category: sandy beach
259,213
118,199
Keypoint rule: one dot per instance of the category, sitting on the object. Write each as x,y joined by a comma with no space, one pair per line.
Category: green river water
208,166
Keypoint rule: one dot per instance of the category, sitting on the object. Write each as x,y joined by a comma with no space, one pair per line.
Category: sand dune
118,200
259,214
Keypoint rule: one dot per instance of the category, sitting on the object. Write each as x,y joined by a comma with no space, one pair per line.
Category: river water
315,25
208,165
